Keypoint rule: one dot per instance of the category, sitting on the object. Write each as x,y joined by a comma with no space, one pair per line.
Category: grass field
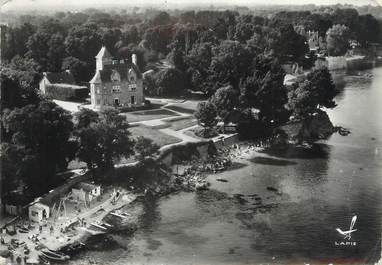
188,106
180,109
181,123
148,115
158,137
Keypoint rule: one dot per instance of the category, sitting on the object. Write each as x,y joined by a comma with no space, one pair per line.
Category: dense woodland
234,59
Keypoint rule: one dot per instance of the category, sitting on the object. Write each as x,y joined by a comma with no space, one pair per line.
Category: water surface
317,192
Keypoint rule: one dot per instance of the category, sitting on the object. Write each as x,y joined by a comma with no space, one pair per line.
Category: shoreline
193,178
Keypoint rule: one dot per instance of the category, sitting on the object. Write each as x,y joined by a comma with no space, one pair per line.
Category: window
132,87
98,102
98,91
116,101
132,100
116,89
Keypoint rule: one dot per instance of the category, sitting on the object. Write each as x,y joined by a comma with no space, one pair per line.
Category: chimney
134,59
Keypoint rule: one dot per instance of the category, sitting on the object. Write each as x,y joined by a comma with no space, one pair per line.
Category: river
318,191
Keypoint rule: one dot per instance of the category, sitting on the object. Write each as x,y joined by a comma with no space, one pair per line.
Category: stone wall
185,151
336,63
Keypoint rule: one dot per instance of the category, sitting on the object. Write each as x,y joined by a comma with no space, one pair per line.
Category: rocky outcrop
316,127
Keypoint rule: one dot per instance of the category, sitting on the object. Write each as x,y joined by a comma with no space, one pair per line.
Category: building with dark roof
62,86
117,82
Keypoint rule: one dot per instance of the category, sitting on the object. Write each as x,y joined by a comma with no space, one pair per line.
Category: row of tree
71,40
40,140
264,101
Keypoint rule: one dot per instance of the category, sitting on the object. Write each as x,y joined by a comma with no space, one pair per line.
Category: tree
110,37
131,34
84,42
226,100
176,58
144,147
265,90
162,18
243,31
230,63
102,139
81,70
368,30
38,45
169,82
85,117
56,52
206,114
317,91
18,84
158,38
337,39
289,45
41,135
16,39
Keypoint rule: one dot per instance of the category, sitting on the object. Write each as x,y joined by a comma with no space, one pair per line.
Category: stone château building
117,82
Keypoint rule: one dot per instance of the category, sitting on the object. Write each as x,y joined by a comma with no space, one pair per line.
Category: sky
13,4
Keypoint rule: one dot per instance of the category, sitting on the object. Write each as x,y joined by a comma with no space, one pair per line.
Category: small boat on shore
74,247
120,214
23,230
91,231
106,224
54,255
99,225
43,260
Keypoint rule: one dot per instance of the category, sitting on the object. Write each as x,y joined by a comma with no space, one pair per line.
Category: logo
347,234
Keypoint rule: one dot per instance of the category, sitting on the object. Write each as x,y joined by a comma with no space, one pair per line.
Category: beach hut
38,211
86,192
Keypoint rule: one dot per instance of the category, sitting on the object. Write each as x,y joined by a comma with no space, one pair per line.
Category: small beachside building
87,192
38,212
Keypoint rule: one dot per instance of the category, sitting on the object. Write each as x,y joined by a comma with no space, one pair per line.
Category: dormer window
115,76
132,77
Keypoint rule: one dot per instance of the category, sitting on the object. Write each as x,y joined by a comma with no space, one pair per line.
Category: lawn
188,106
180,109
158,137
181,123
148,115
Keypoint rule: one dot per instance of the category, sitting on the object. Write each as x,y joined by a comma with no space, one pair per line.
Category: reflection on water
278,207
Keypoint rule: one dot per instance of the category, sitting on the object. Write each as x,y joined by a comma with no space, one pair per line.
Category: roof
75,87
65,77
39,206
85,186
103,53
104,76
